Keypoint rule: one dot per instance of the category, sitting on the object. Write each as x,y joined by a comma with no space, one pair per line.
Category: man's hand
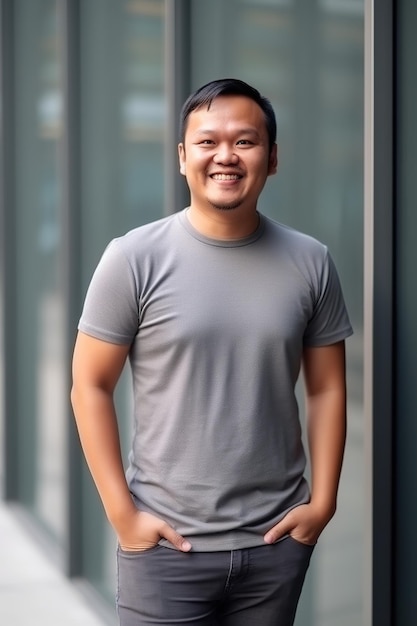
304,523
143,531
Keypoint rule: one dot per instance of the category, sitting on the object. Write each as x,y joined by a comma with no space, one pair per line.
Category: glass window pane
123,121
307,56
122,118
40,314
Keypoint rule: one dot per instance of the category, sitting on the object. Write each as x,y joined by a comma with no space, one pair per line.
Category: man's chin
225,207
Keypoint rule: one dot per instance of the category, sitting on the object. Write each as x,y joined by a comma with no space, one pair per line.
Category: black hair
205,95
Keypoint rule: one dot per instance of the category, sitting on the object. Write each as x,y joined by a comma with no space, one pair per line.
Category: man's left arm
325,386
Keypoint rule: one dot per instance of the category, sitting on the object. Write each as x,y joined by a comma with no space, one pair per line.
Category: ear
181,157
273,160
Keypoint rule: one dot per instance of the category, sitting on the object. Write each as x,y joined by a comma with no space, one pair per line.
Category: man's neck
225,224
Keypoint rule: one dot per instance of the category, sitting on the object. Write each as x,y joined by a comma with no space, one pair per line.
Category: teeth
225,176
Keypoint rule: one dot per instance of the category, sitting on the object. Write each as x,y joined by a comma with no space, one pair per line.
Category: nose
226,155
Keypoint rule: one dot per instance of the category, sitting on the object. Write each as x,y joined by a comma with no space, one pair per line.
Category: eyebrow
242,131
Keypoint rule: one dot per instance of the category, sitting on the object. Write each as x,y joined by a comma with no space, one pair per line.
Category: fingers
284,527
144,532
177,540
276,532
302,523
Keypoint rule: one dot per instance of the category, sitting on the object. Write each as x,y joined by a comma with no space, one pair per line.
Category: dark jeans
250,587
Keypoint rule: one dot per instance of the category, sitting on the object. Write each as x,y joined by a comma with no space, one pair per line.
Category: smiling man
226,157
217,308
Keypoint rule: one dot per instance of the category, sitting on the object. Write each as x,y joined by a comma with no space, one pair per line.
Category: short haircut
205,95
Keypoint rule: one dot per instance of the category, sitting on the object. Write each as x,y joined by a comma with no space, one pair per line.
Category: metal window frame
8,249
379,298
405,408
70,159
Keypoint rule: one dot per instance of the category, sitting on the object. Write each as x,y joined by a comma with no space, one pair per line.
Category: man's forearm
97,427
326,421
326,436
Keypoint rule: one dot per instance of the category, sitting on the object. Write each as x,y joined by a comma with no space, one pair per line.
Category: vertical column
72,265
405,411
7,249
379,302
177,86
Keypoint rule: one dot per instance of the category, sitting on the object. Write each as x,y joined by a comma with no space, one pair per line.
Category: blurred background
91,92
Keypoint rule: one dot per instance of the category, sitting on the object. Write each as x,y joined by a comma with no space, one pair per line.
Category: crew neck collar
221,243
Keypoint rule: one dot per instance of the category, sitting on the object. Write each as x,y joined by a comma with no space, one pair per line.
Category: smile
225,176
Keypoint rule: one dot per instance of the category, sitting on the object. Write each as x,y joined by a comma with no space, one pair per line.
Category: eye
206,142
244,142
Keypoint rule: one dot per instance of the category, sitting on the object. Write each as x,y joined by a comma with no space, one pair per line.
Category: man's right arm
97,366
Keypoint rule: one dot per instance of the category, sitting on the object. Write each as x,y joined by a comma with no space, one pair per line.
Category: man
217,307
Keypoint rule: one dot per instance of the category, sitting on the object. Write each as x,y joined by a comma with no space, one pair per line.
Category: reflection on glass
307,57
41,317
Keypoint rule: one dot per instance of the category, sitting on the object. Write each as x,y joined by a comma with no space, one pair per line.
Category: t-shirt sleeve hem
328,340
104,335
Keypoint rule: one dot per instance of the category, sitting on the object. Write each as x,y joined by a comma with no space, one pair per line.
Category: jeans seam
229,573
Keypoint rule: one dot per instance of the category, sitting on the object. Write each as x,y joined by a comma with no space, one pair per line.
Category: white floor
32,590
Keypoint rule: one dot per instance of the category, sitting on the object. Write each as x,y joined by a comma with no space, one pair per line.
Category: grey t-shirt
217,330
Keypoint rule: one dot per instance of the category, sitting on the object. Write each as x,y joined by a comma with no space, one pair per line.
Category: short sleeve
111,308
329,322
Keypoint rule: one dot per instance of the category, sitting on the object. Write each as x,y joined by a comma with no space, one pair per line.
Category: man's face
225,156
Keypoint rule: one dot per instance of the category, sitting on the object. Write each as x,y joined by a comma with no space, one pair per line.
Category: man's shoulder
292,238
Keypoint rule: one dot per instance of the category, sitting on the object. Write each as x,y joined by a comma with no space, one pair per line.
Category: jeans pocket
308,546
138,553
